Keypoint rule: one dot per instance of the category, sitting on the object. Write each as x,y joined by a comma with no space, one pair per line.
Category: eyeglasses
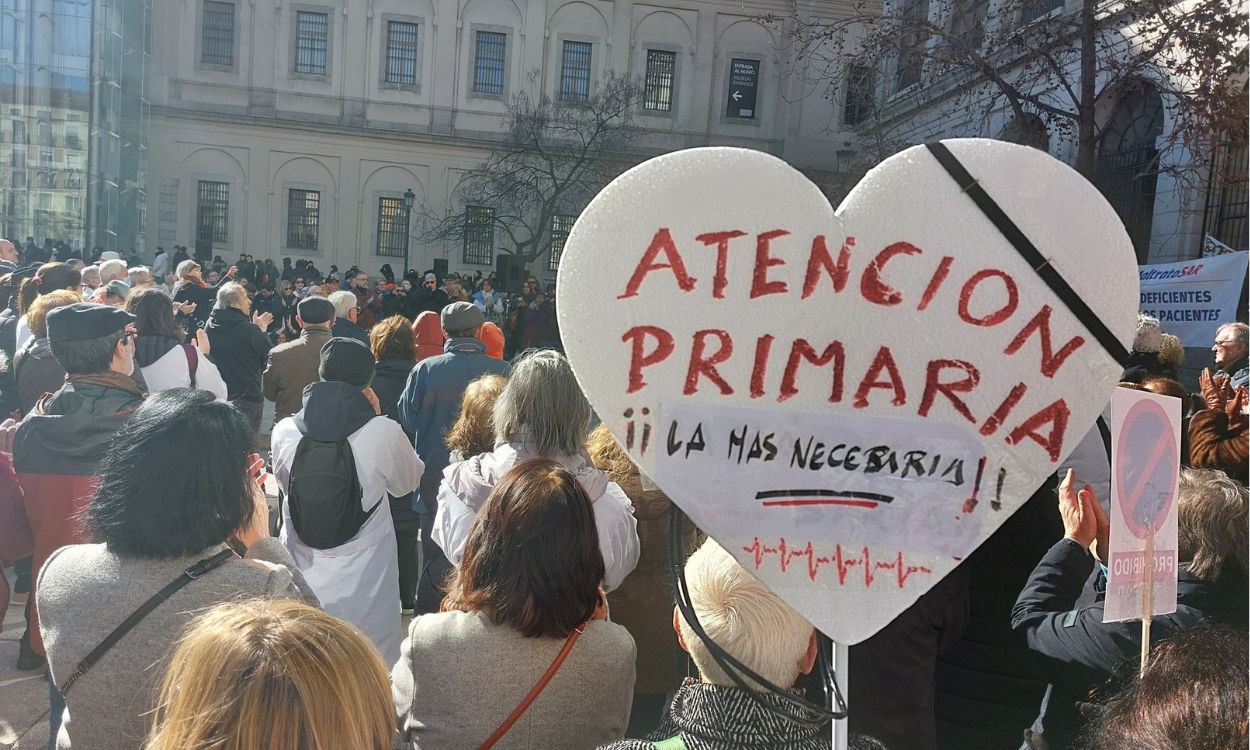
1226,343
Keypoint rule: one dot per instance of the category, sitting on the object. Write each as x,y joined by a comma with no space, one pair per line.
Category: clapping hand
1084,520
201,341
1216,390
257,526
262,320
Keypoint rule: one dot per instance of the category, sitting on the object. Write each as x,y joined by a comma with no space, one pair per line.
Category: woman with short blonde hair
274,674
473,432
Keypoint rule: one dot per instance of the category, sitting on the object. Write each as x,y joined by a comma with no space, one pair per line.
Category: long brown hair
474,431
273,674
532,560
49,278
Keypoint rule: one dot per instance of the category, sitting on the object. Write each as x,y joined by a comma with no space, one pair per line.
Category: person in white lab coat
358,579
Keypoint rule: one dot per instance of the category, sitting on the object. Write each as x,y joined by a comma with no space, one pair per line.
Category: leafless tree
1051,68
556,155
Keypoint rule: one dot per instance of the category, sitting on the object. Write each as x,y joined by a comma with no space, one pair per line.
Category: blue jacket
430,404
344,328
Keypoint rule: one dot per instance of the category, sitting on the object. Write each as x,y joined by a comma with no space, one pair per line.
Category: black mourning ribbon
1066,294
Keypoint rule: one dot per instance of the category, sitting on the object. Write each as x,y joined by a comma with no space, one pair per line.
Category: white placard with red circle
1145,470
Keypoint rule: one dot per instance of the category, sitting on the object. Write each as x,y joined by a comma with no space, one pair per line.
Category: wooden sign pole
1147,600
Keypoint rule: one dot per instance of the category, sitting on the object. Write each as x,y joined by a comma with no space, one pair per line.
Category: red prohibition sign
1147,461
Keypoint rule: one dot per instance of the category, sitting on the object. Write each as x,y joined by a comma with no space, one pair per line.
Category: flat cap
83,321
315,310
347,361
461,316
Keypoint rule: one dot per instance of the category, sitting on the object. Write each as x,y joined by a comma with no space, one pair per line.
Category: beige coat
643,604
292,366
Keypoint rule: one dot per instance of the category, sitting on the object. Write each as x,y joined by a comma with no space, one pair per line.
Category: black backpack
324,492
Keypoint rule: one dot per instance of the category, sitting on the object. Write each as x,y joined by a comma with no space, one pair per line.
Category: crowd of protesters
436,460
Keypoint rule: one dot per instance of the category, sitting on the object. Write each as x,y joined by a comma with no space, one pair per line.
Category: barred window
392,227
212,212
1035,9
912,42
479,235
312,32
561,225
575,72
217,33
488,62
858,102
658,82
401,52
303,218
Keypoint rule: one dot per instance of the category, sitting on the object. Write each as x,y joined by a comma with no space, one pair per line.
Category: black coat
239,350
388,383
1081,651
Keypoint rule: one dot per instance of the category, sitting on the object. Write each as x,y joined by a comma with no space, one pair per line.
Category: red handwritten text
844,562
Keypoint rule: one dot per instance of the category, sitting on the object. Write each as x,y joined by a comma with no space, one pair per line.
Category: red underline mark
787,555
819,501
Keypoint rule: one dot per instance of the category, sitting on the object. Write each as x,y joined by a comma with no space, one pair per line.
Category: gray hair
343,301
112,270
543,403
230,294
139,275
88,356
1240,331
186,268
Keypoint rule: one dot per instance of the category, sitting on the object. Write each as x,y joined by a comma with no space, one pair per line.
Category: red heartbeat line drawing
787,555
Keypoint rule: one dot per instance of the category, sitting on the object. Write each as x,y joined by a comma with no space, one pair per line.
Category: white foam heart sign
850,403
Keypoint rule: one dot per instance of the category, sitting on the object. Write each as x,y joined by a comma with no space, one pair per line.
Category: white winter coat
466,485
358,581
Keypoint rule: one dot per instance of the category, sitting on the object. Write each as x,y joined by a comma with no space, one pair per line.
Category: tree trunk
1086,133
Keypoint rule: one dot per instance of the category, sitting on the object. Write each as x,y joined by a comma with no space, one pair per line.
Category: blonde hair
608,456
474,431
37,313
744,617
274,674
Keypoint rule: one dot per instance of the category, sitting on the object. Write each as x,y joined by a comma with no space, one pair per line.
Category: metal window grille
860,89
1127,168
1035,9
561,225
392,227
575,72
303,219
488,62
658,82
312,32
911,44
401,52
217,34
968,22
1226,206
479,235
212,214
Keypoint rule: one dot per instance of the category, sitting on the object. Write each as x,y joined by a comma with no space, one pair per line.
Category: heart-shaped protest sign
849,403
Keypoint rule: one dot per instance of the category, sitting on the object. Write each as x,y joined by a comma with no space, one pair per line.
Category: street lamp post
409,198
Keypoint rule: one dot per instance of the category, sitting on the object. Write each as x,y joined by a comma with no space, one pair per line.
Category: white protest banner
849,403
1145,467
1193,297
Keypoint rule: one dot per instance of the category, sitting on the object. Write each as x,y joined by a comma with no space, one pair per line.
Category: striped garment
715,717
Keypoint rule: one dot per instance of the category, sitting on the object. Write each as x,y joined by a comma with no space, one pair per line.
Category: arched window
1127,169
